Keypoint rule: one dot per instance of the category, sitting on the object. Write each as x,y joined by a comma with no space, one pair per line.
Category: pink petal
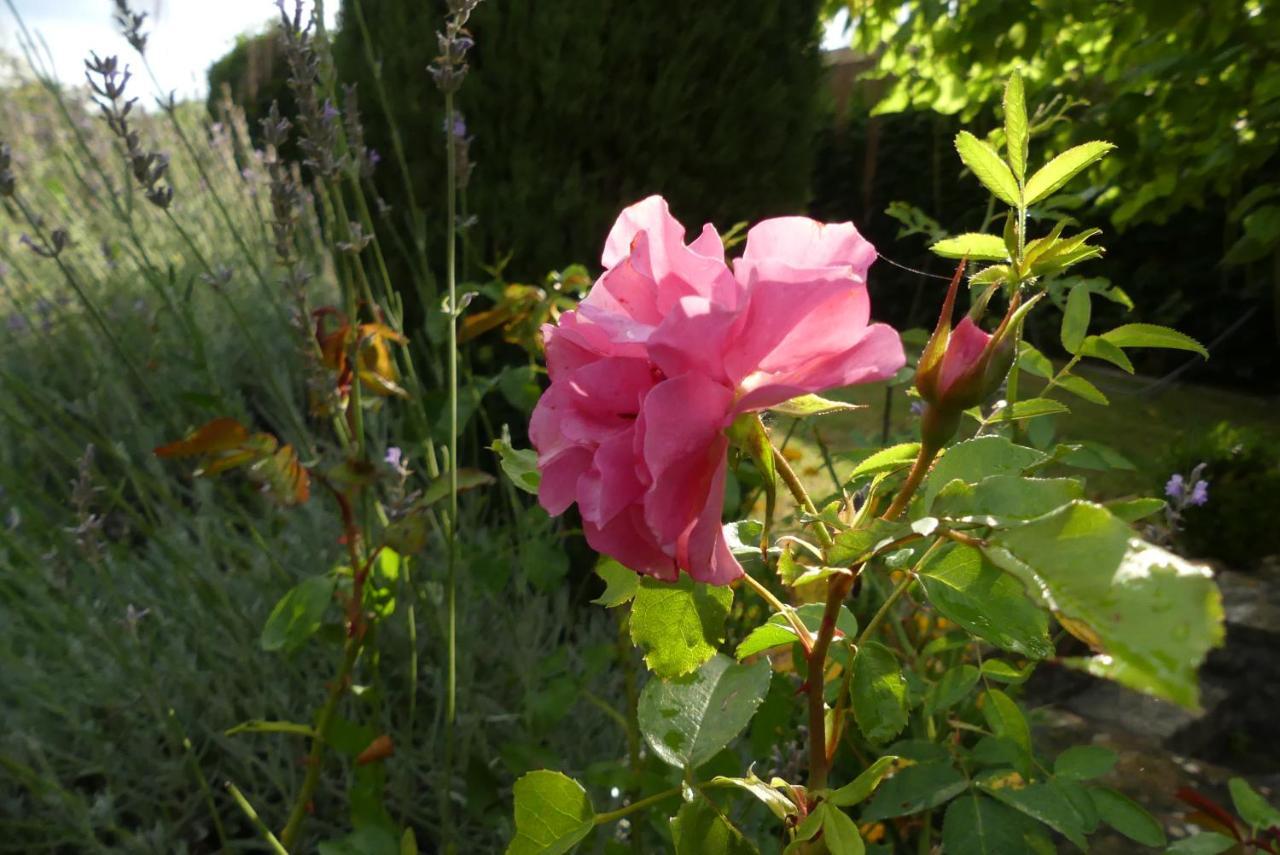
561,474
627,539
805,243
611,484
682,436
602,398
964,349
703,552
693,338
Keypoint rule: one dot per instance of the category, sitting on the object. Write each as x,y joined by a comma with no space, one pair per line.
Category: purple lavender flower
374,157
1199,493
459,127
917,408
1175,488
330,111
394,456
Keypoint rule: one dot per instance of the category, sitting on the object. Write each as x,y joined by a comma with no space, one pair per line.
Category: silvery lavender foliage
149,168
318,121
130,25
84,492
450,67
366,159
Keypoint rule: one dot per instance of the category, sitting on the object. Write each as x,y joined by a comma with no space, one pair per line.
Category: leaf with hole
678,624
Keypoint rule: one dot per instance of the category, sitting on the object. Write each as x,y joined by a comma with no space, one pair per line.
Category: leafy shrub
1236,524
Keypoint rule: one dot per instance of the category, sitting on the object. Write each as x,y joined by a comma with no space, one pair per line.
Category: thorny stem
918,470
797,489
837,589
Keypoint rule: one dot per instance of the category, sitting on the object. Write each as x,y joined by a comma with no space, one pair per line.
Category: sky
186,36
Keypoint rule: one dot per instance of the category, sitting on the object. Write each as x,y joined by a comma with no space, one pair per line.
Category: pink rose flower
668,348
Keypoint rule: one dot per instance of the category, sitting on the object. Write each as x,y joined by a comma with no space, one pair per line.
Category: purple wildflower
1175,488
1199,493
394,456
917,408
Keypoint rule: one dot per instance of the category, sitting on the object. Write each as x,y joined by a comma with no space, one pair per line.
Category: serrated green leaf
1153,335
951,689
1016,135
1005,718
840,833
973,246
864,785
1044,802
777,630
887,460
987,166
879,693
975,459
1006,496
1154,614
1132,510
1099,348
772,797
298,614
915,788
518,464
1251,806
1075,319
976,825
620,583
1204,843
991,275
857,544
698,829
1084,762
678,624
1062,169
1034,362
1127,817
689,719
1082,388
553,814
814,405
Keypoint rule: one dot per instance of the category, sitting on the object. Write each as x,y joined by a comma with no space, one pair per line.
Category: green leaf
298,614
1132,510
864,785
776,801
1127,816
1084,762
973,246
879,693
1063,168
1099,348
887,460
975,459
915,788
1001,671
409,843
971,592
698,829
1153,614
1005,718
1034,362
1044,802
1075,319
840,833
1029,408
814,405
468,479
689,719
989,168
951,689
976,825
991,275
553,814
1082,388
1016,134
1251,806
1153,335
1006,496
678,624
620,583
1204,843
1092,455
858,544
748,434
520,465
258,725
777,630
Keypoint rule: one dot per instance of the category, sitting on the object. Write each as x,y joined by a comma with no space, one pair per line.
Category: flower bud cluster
150,168
450,68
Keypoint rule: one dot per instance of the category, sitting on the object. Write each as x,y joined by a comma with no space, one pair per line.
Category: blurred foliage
577,108
254,73
1236,525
